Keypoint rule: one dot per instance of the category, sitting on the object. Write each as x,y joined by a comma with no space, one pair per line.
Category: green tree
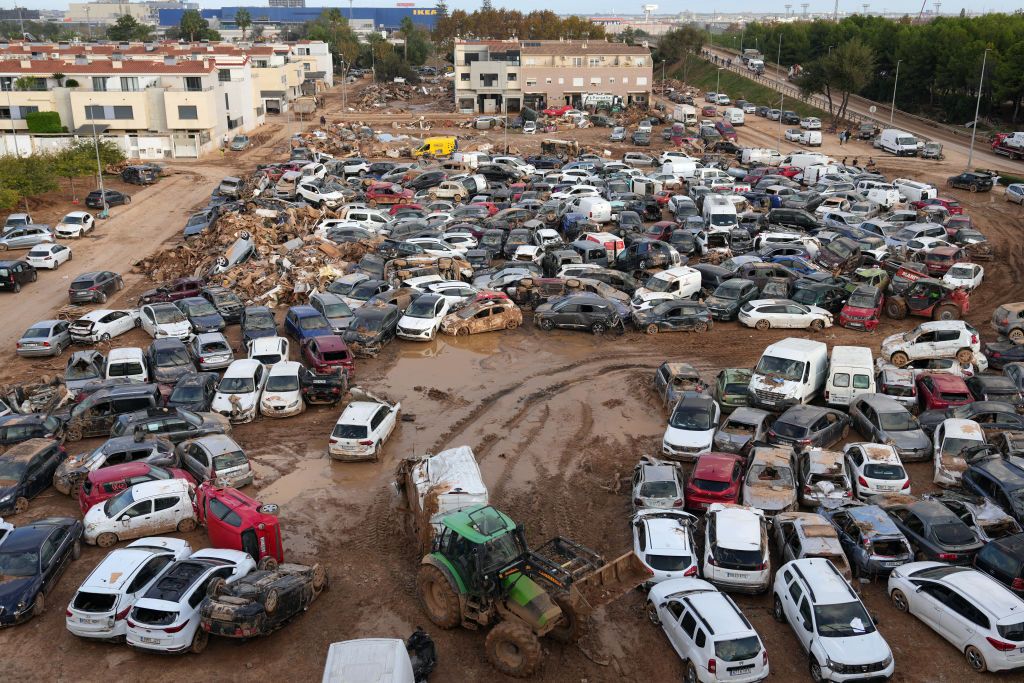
333,28
24,83
8,199
194,27
128,28
59,77
28,176
243,20
74,162
442,9
486,6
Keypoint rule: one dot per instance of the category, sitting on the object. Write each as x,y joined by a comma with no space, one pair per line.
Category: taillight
974,339
1017,584
906,485
175,629
862,481
826,394
761,567
123,614
713,665
677,503
365,442
67,613
131,624
711,561
1000,645
692,571
804,442
637,501
948,557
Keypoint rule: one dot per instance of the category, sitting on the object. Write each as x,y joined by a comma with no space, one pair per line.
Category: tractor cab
924,294
480,543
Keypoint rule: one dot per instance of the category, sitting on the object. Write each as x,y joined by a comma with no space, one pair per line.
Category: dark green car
730,388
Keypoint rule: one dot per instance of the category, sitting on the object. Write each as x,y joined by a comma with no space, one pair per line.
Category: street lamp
892,110
718,79
977,108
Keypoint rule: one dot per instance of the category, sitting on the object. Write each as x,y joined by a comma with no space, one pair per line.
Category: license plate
886,488
892,563
150,641
733,575
739,671
855,326
88,621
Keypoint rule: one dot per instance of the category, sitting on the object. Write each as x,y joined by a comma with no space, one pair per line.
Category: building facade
504,76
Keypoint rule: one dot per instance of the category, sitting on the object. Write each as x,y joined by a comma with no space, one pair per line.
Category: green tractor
480,572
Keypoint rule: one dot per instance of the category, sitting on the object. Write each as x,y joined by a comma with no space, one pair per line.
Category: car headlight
6,498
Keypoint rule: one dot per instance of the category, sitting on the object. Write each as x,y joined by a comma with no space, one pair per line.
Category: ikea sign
425,12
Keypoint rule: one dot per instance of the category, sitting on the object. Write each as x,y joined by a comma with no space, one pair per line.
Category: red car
716,478
662,230
557,111
182,288
941,259
326,352
863,309
663,196
938,391
491,207
107,482
408,209
388,193
709,110
726,130
953,206
789,171
235,521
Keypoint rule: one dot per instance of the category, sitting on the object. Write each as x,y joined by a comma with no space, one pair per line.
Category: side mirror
874,618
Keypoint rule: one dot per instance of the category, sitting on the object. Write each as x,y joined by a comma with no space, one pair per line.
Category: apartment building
158,100
504,76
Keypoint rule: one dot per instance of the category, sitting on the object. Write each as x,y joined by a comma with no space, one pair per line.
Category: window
594,61
641,80
224,513
193,83
164,504
129,84
577,61
915,525
841,379
611,80
688,624
577,82
224,75
260,63
188,112
530,82
123,112
640,61
625,80
99,83
464,77
6,83
795,592
512,76
561,81
805,614
676,609
701,639
147,573
139,509
861,381
595,80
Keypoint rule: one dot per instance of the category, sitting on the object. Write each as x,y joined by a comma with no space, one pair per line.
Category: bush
44,122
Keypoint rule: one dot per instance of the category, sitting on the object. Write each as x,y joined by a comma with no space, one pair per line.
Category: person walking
842,138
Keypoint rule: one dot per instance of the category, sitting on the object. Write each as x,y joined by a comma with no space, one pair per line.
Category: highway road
959,142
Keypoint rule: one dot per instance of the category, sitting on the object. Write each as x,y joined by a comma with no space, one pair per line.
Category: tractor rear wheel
946,312
896,309
438,597
513,649
570,627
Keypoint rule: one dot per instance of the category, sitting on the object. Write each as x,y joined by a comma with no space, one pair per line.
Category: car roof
29,536
659,472
829,586
803,413
664,534
28,449
955,427
983,591
158,486
284,367
359,411
115,472
304,310
737,527
882,402
243,367
116,569
715,466
216,444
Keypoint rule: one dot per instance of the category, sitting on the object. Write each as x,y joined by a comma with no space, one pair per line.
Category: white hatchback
966,275
269,350
103,324
362,429
765,314
166,618
875,469
663,540
422,318
282,396
48,255
238,393
980,616
165,320
149,507
100,606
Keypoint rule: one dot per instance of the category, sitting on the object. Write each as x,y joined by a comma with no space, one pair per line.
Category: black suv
26,471
13,274
1003,560
372,326
792,218
1000,479
578,312
96,414
17,428
94,200
969,180
725,303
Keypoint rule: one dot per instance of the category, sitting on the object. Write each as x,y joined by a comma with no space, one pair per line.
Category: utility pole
977,108
892,110
835,11
782,98
105,213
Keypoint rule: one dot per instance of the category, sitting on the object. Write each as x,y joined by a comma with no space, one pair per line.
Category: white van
368,660
812,174
720,212
790,372
802,160
126,362
850,374
880,193
761,155
734,115
915,191
597,209
898,142
685,168
469,159
811,138
681,282
705,176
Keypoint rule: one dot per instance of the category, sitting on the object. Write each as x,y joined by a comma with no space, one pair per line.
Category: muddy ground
557,421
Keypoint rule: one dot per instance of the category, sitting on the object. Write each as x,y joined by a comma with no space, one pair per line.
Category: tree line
501,24
22,178
939,61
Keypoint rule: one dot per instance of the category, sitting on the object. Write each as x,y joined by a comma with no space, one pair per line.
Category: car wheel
976,659
899,601
974,188
319,577
762,325
777,611
120,284
199,641
546,324
127,199
216,587
102,298
815,670
17,287
59,350
187,525
105,337
106,540
35,276
700,327
652,614
598,328
965,355
817,325
899,359
40,606
511,324
652,328
462,332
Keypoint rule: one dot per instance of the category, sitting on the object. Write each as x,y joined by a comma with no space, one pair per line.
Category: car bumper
163,645
15,618
745,582
37,351
282,410
83,298
858,324
96,628
215,364
349,454
683,453
872,677
416,335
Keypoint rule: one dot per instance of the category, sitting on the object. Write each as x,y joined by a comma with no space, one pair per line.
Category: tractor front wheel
896,309
513,649
946,312
438,597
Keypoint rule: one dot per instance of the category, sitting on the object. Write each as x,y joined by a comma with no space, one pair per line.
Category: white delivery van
898,142
470,159
681,282
126,362
880,193
790,372
685,168
802,160
438,485
720,212
814,173
851,373
915,191
756,65
368,660
597,209
760,155
685,113
811,138
734,115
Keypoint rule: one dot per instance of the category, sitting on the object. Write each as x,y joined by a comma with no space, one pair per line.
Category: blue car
203,315
256,322
32,558
305,322
871,540
800,264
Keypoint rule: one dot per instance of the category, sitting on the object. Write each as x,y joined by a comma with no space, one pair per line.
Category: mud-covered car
261,602
484,314
372,326
672,380
173,424
324,387
989,521
116,451
579,312
742,429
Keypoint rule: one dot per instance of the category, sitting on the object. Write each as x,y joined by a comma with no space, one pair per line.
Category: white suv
708,632
936,339
166,617
104,599
736,555
361,430
663,540
831,622
977,614
875,469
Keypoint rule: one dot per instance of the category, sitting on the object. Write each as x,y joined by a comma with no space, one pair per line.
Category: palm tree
243,20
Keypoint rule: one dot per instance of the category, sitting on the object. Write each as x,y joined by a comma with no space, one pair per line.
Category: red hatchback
716,478
237,522
388,193
107,482
863,309
327,352
953,206
938,391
